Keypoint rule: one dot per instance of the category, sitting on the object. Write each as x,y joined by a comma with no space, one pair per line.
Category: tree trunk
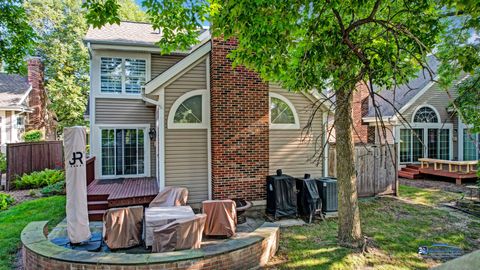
349,231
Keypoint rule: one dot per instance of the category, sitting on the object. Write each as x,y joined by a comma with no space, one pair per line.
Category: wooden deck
458,176
104,194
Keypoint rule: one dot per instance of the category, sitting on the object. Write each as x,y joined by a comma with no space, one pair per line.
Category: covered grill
281,195
308,199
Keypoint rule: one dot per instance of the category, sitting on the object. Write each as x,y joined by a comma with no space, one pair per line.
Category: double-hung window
122,75
123,151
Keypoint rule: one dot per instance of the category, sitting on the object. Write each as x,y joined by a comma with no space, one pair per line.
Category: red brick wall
239,107
36,98
360,96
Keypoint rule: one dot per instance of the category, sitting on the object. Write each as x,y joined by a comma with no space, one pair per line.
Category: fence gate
28,157
375,166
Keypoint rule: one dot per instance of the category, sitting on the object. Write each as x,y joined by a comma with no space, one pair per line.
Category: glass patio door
424,142
438,143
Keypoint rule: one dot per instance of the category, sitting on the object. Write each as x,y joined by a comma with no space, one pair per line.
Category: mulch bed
23,195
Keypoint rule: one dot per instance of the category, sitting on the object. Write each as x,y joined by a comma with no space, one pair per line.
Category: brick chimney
359,110
37,97
239,106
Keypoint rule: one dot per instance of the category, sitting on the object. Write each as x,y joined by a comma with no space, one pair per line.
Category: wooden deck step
408,175
95,215
97,205
412,170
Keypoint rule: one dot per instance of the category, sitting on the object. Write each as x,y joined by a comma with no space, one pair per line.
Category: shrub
33,136
54,189
5,201
39,179
3,163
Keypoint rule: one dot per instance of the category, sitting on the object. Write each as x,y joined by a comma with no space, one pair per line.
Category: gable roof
127,33
404,94
174,71
13,89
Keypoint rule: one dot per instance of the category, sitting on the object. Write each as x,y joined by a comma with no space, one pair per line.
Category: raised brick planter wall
251,251
239,107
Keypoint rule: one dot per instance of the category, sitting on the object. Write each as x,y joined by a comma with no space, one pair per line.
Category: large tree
60,27
305,45
16,36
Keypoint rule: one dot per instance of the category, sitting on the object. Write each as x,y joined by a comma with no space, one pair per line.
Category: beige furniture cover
122,227
221,217
156,217
74,141
170,196
180,234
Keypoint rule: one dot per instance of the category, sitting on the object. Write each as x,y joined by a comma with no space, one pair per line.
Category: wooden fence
32,156
376,171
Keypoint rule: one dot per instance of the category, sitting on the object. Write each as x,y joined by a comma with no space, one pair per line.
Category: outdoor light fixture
152,133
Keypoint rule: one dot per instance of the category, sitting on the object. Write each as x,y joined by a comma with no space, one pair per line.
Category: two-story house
189,119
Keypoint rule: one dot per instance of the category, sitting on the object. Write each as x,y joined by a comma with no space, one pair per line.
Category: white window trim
425,127
428,106
292,107
95,73
205,115
146,129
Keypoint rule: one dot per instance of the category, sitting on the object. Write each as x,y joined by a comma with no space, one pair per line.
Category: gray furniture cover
179,234
221,217
170,196
122,227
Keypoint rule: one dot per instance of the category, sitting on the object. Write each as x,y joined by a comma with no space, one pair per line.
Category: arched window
282,113
425,114
189,111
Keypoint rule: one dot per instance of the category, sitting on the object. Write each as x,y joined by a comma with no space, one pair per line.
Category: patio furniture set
168,224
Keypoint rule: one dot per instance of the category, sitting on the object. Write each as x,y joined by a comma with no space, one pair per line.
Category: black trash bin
281,195
327,189
308,199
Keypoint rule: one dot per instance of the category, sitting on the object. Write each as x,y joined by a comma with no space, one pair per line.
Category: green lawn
13,220
396,228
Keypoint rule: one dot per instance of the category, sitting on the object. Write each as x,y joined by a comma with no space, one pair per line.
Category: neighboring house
22,103
421,121
189,119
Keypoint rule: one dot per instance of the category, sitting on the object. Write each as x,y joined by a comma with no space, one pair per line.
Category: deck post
458,181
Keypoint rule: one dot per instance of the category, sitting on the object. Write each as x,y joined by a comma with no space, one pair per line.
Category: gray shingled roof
13,88
125,33
403,93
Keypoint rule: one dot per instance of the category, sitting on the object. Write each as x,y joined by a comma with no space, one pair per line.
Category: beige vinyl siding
186,150
126,111
8,126
436,97
287,149
160,63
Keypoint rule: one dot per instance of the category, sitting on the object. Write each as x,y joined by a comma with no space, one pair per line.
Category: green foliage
3,163
39,179
33,136
54,189
17,36
14,219
5,201
61,26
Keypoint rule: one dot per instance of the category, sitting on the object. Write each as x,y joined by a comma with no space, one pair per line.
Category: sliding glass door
424,142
